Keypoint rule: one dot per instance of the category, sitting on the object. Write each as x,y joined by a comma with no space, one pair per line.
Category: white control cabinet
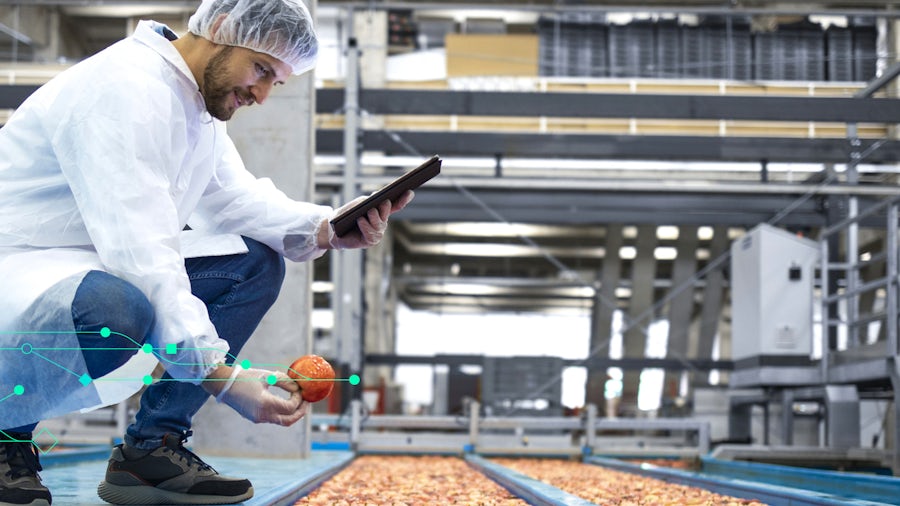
772,274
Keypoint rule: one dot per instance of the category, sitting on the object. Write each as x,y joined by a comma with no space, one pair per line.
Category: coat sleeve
237,202
121,149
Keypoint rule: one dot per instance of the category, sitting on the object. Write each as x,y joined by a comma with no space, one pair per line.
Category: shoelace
23,459
188,455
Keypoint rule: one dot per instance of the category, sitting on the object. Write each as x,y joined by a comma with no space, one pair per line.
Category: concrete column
602,312
893,46
380,309
34,32
643,272
681,307
711,311
275,141
370,27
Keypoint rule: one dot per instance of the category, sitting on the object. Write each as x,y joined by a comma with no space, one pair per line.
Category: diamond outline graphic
38,446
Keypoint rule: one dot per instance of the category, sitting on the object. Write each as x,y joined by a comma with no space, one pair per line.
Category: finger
285,382
366,230
275,406
304,408
384,210
402,201
374,226
292,418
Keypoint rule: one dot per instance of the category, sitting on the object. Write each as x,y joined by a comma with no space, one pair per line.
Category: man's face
237,76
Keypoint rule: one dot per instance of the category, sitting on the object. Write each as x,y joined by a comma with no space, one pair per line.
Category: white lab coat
102,168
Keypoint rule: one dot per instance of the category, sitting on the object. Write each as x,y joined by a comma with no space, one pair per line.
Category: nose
260,92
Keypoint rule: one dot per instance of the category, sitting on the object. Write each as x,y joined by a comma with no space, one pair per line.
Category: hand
247,392
370,227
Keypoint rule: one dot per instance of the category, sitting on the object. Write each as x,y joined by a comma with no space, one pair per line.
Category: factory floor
76,482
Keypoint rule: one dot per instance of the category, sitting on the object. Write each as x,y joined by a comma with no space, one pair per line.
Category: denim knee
268,269
103,300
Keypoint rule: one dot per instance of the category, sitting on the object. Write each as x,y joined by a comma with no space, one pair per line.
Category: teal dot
271,379
354,379
26,348
85,379
105,332
18,390
245,364
147,348
148,379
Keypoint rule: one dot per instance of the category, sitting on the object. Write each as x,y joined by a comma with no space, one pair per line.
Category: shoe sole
117,494
36,502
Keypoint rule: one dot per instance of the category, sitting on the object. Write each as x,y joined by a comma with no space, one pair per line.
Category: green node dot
18,390
147,348
271,379
354,379
245,364
105,332
148,379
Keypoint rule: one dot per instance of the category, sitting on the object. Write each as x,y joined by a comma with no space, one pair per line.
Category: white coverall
102,168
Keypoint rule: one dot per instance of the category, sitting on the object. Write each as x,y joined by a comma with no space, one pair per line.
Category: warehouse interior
662,229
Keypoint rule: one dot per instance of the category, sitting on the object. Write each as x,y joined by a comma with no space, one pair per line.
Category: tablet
346,221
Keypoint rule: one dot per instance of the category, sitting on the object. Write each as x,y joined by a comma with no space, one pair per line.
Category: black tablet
346,221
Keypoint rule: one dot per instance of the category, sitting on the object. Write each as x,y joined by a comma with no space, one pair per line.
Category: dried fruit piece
607,486
410,480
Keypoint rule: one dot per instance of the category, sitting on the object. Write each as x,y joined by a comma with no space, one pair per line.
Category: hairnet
280,28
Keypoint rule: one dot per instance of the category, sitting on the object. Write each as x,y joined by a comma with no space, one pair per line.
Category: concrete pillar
275,141
370,27
681,306
380,309
711,311
602,312
892,90
34,32
643,272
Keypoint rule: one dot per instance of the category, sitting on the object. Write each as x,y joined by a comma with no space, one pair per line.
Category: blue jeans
237,289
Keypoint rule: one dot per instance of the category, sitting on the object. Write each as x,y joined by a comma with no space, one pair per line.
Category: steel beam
618,105
592,362
12,95
608,147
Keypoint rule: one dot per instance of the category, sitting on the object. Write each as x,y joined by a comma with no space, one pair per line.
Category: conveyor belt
73,476
774,494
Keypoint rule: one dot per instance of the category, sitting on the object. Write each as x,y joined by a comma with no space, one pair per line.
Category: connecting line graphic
162,354
6,437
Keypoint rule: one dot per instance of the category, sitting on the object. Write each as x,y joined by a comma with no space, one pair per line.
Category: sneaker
20,483
170,474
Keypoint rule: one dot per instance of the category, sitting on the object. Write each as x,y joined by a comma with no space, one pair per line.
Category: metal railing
854,287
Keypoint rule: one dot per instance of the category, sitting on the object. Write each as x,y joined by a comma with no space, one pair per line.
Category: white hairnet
280,28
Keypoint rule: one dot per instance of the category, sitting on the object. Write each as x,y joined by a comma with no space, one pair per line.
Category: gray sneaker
20,484
170,474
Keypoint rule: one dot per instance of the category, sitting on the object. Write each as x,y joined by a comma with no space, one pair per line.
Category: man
101,171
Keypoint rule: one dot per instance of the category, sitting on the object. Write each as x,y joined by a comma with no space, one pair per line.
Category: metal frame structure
833,381
521,435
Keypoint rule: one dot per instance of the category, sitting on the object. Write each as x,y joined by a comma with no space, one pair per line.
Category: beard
216,92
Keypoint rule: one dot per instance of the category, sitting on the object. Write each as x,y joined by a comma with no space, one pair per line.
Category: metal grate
713,49
522,385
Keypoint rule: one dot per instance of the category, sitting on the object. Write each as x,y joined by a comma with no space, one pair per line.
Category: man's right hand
249,394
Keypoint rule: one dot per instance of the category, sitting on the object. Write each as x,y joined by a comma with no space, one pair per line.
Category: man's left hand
370,227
